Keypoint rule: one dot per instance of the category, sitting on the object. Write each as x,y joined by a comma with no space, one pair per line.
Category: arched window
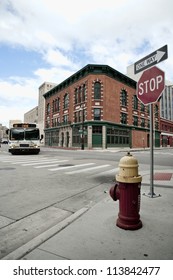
124,97
79,95
76,96
135,102
48,108
97,90
57,104
66,101
83,93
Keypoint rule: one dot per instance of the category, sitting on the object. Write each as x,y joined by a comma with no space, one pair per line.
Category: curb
35,242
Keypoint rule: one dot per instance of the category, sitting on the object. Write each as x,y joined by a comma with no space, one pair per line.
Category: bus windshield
24,134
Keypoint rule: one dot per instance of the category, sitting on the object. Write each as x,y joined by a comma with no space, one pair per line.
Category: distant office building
166,102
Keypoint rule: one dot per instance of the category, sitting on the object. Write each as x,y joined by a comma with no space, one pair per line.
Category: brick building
97,107
166,127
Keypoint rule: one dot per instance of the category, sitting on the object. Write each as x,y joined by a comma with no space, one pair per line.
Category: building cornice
93,69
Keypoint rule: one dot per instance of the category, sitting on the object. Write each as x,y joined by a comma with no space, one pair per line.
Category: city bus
24,138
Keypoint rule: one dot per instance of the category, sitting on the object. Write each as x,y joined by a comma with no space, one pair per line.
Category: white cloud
56,58
71,34
53,74
16,98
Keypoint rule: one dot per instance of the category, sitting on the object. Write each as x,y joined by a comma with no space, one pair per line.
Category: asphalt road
37,191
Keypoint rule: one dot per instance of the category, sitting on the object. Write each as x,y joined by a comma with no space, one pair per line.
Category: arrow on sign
151,59
159,55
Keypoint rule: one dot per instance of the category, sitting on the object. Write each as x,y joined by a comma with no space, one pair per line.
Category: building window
80,94
66,100
97,129
156,111
135,102
135,120
123,98
97,90
83,93
116,137
123,118
80,116
48,123
148,123
76,96
48,109
65,118
83,115
157,125
142,107
53,106
55,122
56,104
142,122
75,117
97,114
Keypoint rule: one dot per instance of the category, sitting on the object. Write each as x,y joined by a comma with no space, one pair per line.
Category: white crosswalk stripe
54,164
29,161
107,172
41,162
68,167
51,165
88,169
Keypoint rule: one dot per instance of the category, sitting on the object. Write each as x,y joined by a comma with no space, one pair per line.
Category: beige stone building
31,116
11,122
37,114
45,87
3,135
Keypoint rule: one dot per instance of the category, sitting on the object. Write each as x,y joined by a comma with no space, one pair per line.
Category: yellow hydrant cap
128,161
128,169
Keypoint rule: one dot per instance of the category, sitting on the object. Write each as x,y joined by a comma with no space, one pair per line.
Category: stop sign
150,85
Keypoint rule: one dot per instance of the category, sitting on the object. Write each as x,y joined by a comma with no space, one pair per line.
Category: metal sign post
151,193
149,89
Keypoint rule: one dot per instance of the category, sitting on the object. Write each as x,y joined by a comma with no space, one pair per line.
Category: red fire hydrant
127,190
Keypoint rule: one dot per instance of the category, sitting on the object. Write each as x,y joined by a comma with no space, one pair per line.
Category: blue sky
49,40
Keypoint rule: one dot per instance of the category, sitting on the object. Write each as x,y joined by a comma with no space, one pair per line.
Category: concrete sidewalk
92,234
